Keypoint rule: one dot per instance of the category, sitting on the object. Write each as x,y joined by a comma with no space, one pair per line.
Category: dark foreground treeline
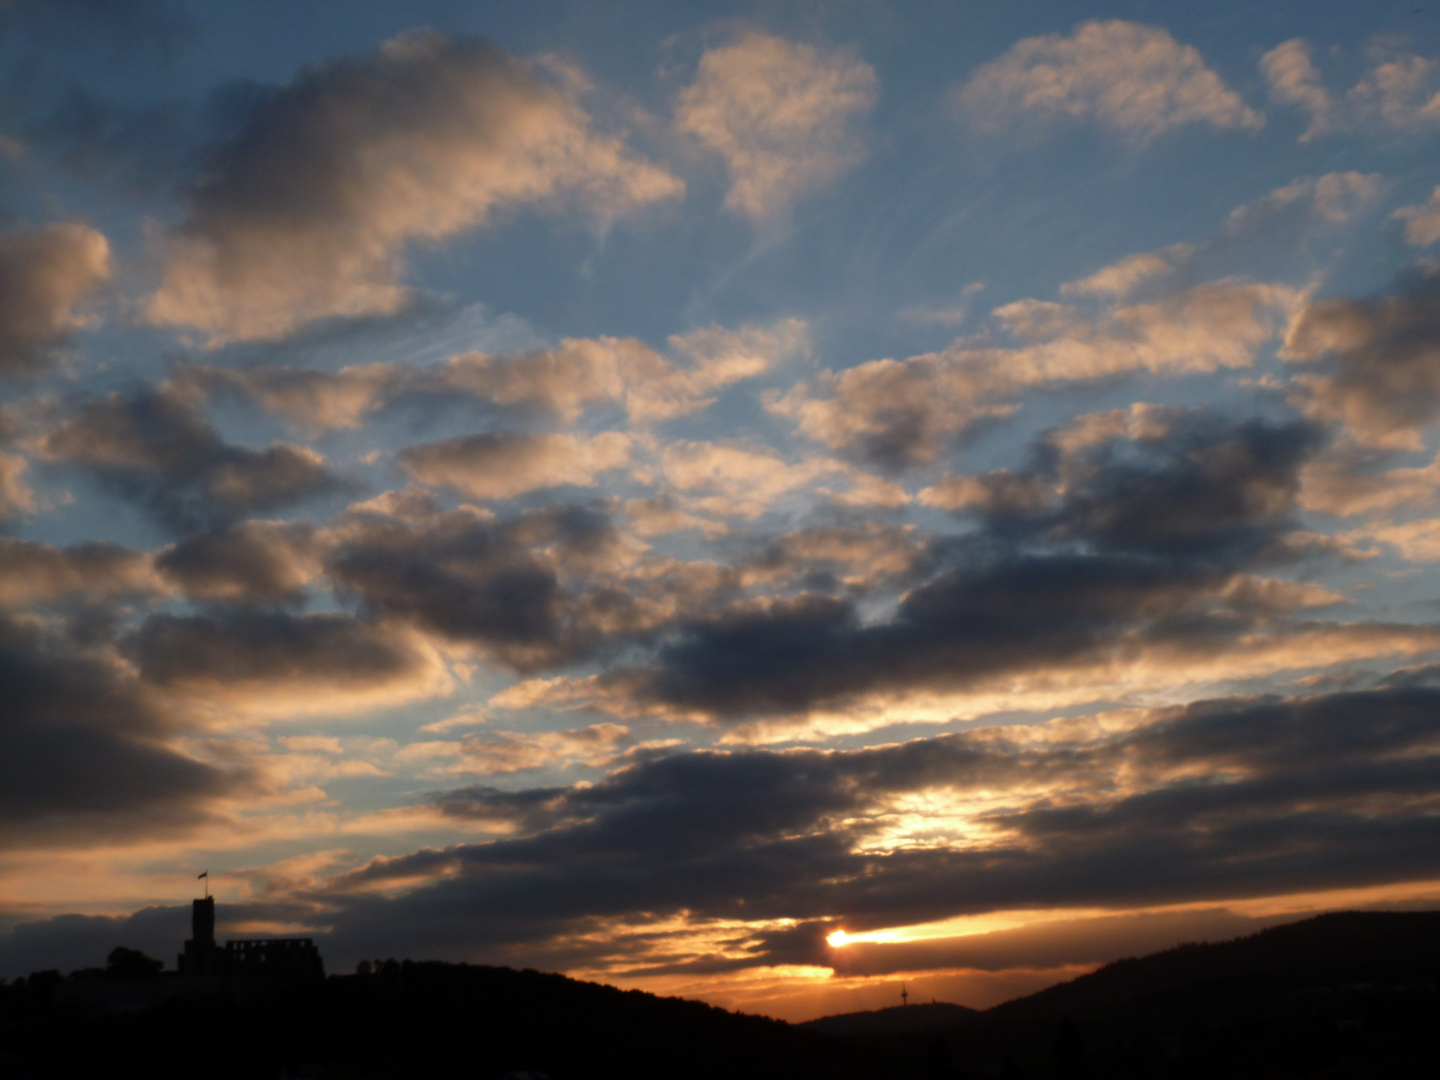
1339,996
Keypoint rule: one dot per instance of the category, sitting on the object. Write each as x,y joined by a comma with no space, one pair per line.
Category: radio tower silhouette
904,995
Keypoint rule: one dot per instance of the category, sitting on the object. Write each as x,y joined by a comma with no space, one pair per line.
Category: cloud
33,573
832,557
1294,81
471,578
1121,279
70,942
1223,799
783,115
559,383
16,496
1135,79
562,382
1347,482
1401,90
1220,491
44,275
736,480
502,466
318,400
539,589
308,211
1417,541
271,663
154,446
514,751
717,358
85,753
901,413
1376,363
1333,199
1422,222
249,561
661,515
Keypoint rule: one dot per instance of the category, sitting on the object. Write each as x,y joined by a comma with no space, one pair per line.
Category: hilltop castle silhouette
263,958
240,970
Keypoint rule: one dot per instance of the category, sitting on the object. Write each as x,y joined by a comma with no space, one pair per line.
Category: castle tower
200,956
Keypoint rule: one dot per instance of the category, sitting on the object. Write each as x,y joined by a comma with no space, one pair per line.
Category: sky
768,502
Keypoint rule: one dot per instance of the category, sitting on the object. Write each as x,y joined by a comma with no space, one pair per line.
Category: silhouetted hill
1338,949
900,1019
1349,994
423,1019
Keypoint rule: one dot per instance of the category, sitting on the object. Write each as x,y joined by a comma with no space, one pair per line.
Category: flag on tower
206,874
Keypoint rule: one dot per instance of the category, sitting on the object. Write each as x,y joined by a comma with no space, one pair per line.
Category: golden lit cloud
781,113
1136,79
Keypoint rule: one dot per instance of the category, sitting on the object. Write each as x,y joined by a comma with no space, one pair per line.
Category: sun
838,939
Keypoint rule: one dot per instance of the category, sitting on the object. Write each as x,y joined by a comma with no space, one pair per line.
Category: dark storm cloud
1224,799
1376,361
1134,549
155,447
82,751
44,274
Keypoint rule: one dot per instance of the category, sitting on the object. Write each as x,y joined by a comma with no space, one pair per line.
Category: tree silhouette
123,963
